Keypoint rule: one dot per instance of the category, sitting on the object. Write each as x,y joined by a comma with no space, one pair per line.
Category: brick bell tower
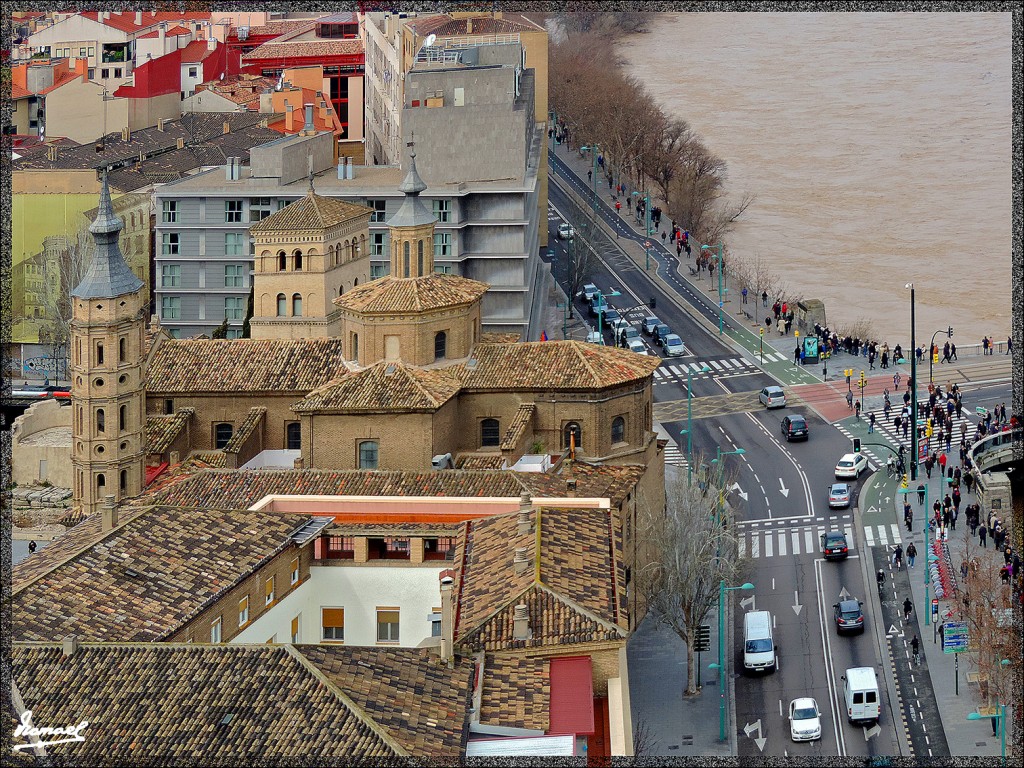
107,392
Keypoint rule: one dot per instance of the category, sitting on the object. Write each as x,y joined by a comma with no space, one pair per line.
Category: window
81,52
193,71
122,348
222,435
405,259
442,245
104,73
170,307
435,622
282,305
355,346
296,305
233,211
170,275
124,481
572,429
243,611
295,629
368,454
340,548
234,277
101,420
293,436
441,548
281,203
122,418
234,333
233,307
442,269
333,622
234,243
92,51
170,245
268,591
168,407
378,209
282,261
419,257
298,261
294,579
440,345
618,429
101,483
443,210
376,243
387,625
490,432
170,211
117,72
259,208
378,271
215,630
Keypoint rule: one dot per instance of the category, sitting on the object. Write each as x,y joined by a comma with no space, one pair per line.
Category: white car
804,720
851,465
566,232
674,346
595,338
636,345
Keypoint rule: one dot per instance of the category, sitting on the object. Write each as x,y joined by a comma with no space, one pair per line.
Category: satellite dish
431,39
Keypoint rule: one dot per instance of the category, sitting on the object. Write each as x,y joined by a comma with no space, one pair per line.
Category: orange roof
17,92
64,79
194,52
172,32
126,21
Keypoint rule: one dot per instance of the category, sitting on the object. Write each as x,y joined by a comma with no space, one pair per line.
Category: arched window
293,436
440,345
490,432
355,347
405,257
124,481
355,282
282,305
99,354
369,454
297,305
101,420
122,418
330,255
222,435
282,261
419,256
122,349
618,430
101,483
572,429
298,260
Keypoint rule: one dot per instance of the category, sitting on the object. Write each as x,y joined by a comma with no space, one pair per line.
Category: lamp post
927,526
913,400
721,266
689,421
1001,717
599,298
720,666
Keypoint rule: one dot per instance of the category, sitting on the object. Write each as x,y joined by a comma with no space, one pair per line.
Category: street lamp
1002,720
599,298
913,392
689,421
720,666
721,267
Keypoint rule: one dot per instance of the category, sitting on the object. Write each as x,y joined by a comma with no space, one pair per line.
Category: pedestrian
906,427
764,298
949,441
1009,345
781,327
896,380
945,353
744,294
679,249
968,481
928,464
1007,554
942,463
984,345
590,176
798,355
920,494
871,422
963,570
995,721
908,608
664,236
908,514
897,423
885,359
952,351
857,409
32,547
982,535
911,554
849,399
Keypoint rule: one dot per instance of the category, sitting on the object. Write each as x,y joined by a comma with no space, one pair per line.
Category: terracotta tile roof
240,489
148,577
311,212
571,586
240,89
410,692
161,430
215,459
244,365
411,294
480,461
597,481
278,28
125,21
482,25
304,49
521,419
253,421
82,535
555,365
195,52
395,529
64,79
18,92
172,32
515,692
169,703
384,387
499,337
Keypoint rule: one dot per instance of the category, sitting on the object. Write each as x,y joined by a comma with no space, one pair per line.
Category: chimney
323,110
108,509
181,142
264,122
174,457
469,26
160,124
288,120
70,646
138,18
162,32
227,127
126,134
308,129
350,169
521,560
447,613
211,42
51,152
525,506
570,487
521,623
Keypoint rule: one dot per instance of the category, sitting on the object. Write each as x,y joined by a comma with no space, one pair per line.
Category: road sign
702,642
922,450
954,636
762,330
983,412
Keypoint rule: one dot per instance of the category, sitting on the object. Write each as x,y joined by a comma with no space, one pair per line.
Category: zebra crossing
674,456
678,371
788,541
884,535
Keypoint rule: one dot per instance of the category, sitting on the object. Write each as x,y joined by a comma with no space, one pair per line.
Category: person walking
984,345
896,378
764,298
32,547
1009,345
781,326
911,554
983,535
952,351
849,399
885,359
942,463
871,360
871,423
920,494
908,516
945,353
856,408
744,294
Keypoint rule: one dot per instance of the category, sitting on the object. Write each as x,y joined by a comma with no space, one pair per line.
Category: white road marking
782,544
796,542
808,540
895,533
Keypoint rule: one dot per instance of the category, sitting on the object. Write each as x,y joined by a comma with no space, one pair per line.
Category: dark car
833,546
848,616
609,316
660,331
794,427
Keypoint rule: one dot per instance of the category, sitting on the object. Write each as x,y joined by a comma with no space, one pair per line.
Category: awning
572,696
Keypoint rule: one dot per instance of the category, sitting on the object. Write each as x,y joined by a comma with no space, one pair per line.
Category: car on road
650,323
794,427
804,720
848,616
772,397
673,346
566,232
595,338
850,466
631,333
834,546
637,345
589,292
596,304
609,317
838,496
660,331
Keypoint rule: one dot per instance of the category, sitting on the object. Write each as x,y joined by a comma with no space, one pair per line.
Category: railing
990,442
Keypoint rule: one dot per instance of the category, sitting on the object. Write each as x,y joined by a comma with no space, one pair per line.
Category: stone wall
41,445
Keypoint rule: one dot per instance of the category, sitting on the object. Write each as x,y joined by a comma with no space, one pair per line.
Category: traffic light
935,357
856,445
702,640
904,482
653,303
929,429
950,331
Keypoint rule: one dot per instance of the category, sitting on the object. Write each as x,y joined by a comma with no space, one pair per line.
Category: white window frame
243,612
443,211
170,244
216,630
170,211
442,245
234,308
170,308
233,215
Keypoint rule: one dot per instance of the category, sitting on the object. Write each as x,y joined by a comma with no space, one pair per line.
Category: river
877,146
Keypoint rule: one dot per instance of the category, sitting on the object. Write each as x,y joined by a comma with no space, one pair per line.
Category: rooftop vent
521,623
521,561
70,645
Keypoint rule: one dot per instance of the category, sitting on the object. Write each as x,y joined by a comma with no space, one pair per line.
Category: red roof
572,696
126,21
66,78
194,52
17,92
172,32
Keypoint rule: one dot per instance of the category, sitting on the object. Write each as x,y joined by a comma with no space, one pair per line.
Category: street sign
702,642
922,450
983,412
954,636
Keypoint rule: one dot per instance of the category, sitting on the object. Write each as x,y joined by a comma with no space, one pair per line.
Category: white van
860,691
758,645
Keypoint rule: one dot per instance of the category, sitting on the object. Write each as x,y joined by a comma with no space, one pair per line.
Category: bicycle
880,578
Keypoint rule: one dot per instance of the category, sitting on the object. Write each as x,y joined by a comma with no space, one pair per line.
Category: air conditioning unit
442,461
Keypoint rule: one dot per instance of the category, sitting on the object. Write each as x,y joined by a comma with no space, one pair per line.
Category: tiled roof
411,294
200,703
18,92
172,32
250,424
304,49
394,529
572,585
125,21
384,387
195,52
499,337
516,692
240,89
555,365
82,535
482,25
216,459
162,430
239,489
64,79
311,212
520,421
593,481
480,461
411,692
278,28
244,365
148,577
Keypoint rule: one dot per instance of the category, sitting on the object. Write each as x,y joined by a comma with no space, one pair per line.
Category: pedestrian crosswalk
788,541
882,535
679,371
673,456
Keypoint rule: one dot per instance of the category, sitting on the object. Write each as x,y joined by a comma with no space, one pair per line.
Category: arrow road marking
745,600
784,489
872,731
755,726
843,594
743,494
796,602
876,486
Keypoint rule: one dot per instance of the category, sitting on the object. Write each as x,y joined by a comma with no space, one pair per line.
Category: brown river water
877,146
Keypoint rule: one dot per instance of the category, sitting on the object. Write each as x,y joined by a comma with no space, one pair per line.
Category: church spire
108,274
413,212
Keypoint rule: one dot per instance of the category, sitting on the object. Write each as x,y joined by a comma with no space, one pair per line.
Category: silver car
838,496
772,397
673,346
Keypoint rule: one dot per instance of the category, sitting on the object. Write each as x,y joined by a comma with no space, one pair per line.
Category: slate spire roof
413,211
108,275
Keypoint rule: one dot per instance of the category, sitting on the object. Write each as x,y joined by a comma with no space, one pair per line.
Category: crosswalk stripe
659,374
675,370
883,540
695,367
809,540
796,542
726,363
895,533
714,364
782,544
768,545
869,534
848,530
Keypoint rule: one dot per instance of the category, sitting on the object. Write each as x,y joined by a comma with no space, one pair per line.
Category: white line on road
782,546
796,542
768,545
808,540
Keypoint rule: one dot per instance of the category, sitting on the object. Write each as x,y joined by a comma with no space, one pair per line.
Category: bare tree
65,265
581,261
690,552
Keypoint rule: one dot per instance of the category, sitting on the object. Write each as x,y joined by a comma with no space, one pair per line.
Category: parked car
609,316
650,323
566,232
833,545
673,346
851,465
660,331
637,345
848,616
794,427
772,397
595,338
589,292
804,720
597,303
838,496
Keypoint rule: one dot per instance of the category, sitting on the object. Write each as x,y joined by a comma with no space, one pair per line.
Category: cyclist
915,646
908,608
880,578
897,557
890,466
